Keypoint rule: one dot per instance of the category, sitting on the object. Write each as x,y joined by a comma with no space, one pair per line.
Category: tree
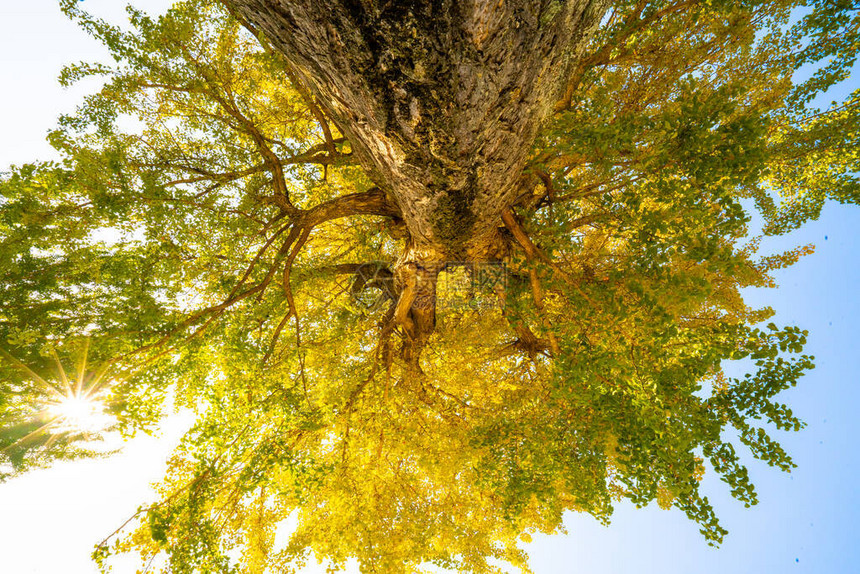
430,274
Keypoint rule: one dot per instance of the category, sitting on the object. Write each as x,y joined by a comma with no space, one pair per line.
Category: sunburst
69,406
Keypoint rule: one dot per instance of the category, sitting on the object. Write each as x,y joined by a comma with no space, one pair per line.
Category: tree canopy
215,237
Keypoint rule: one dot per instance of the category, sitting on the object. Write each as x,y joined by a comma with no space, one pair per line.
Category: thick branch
370,202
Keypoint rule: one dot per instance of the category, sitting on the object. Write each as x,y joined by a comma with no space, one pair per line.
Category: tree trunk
441,101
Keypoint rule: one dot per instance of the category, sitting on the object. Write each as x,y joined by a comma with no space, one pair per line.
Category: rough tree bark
441,101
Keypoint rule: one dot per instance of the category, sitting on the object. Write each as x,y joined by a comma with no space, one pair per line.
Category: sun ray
95,385
62,373
31,434
82,365
51,389
50,442
73,415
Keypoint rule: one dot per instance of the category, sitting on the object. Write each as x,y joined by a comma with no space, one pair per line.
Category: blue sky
804,522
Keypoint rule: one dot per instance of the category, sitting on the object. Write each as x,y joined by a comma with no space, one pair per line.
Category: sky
804,523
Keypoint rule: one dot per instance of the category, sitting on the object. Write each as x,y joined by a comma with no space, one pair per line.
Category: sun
79,413
71,407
